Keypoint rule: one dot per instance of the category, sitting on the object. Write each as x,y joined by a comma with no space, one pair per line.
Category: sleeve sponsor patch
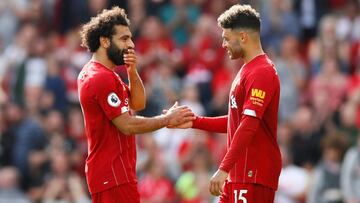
113,100
257,96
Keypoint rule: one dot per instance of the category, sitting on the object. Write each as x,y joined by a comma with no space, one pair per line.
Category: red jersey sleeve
213,124
259,88
243,136
110,94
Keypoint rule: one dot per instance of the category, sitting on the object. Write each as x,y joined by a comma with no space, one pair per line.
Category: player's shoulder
99,77
263,65
265,69
99,72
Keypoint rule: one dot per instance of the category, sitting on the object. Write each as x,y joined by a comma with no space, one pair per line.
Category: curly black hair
102,26
240,16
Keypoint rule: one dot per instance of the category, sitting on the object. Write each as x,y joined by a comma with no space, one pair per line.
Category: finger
186,109
131,51
170,126
130,55
175,105
187,114
211,188
187,119
221,188
130,60
215,188
218,189
183,108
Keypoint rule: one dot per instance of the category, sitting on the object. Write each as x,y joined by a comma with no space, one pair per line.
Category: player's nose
131,45
224,45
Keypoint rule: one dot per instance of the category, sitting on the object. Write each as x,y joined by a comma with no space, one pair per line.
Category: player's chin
231,57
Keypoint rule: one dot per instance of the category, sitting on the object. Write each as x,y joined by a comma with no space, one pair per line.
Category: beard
238,53
115,54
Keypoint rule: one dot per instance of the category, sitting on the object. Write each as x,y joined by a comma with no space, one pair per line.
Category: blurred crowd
315,45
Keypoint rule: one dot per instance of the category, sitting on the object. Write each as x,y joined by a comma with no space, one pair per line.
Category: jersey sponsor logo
233,104
257,97
258,93
113,100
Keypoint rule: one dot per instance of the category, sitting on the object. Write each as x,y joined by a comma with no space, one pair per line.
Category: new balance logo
233,102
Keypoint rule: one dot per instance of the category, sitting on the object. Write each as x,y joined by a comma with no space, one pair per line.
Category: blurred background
315,45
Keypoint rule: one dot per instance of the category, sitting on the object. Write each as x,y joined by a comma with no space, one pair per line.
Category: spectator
62,184
292,76
330,82
309,13
305,144
154,186
293,181
28,136
179,17
277,19
348,25
192,185
325,184
350,176
9,186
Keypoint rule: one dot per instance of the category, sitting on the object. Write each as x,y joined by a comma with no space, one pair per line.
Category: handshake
179,117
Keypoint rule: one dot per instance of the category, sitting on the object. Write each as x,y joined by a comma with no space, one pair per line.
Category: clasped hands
179,116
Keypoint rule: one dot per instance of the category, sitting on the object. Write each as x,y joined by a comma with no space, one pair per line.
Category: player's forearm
139,124
137,91
212,124
241,140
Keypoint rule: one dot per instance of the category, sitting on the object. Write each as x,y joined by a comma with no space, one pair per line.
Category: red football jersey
255,92
111,154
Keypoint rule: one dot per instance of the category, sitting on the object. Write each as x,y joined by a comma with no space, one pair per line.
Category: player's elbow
125,129
138,106
138,103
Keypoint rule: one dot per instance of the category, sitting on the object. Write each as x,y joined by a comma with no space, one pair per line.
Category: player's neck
252,53
98,57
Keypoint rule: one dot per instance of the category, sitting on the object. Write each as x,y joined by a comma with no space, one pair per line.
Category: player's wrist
165,120
131,70
195,123
223,169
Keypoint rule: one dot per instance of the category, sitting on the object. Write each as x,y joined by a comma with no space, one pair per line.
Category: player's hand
185,125
217,182
130,59
178,115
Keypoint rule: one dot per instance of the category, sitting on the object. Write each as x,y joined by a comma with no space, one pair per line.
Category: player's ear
104,42
243,36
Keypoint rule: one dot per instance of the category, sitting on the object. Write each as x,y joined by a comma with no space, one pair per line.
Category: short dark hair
102,26
240,16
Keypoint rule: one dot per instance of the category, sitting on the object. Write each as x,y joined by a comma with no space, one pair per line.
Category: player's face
232,43
119,44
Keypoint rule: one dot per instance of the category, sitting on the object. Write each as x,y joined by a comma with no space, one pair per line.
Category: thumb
176,104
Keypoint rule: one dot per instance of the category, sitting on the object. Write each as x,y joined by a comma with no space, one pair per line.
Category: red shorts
127,193
246,193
